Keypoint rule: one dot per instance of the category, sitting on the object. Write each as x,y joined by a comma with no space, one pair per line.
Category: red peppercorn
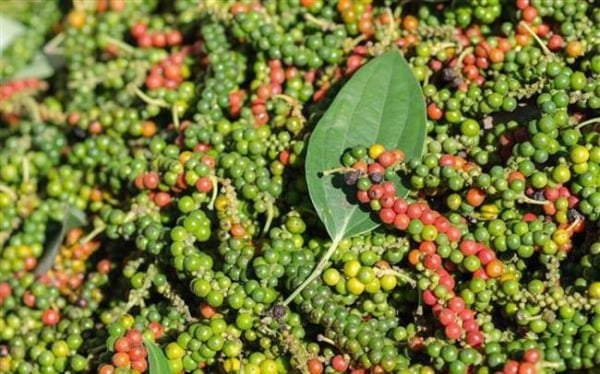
50,317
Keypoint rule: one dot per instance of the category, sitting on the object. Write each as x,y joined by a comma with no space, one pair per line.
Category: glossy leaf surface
382,103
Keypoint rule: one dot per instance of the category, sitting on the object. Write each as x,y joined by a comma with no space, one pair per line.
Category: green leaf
10,29
157,361
382,103
40,67
73,218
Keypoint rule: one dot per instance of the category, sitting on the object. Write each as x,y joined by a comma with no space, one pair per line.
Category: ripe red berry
529,14
556,42
428,247
453,331
106,369
442,224
388,188
386,158
50,317
5,290
172,72
387,215
339,363
400,205
137,353
122,344
414,211
29,299
387,201
277,75
429,298
532,355
474,338
466,315
470,325
456,304
157,329
447,317
353,63
174,38
139,365
447,281
486,255
401,221
376,192
151,180
432,262
475,196
434,112
121,359
469,247
375,168
145,41
138,30
363,197
454,234
204,184
527,368
154,81
480,273
159,40
162,199
315,366
511,367
447,160
135,336
522,4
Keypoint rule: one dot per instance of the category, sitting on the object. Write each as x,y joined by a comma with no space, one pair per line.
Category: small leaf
40,67
10,30
157,361
382,103
73,218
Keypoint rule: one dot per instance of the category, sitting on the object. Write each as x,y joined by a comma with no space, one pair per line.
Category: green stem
118,43
324,339
317,271
528,200
9,191
25,170
342,169
588,122
175,118
403,276
461,57
438,47
176,300
211,203
33,108
148,100
574,224
136,297
549,365
544,47
97,231
349,44
323,24
52,47
269,217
